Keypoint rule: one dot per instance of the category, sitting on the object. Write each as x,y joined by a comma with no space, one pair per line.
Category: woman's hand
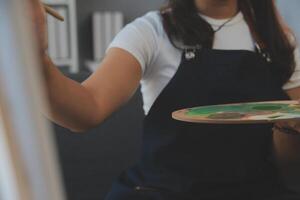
286,143
38,15
289,127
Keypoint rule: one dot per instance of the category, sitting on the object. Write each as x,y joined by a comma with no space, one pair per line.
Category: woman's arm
82,106
294,93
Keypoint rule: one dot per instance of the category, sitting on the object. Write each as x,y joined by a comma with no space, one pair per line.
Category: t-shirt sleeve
295,78
139,38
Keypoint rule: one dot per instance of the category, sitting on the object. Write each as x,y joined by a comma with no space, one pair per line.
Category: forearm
71,105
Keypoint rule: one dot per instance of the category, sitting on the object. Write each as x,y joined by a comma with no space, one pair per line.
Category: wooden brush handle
52,12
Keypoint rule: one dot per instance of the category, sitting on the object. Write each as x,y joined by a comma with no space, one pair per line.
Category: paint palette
256,112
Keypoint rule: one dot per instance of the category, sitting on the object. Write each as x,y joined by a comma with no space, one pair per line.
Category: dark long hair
183,23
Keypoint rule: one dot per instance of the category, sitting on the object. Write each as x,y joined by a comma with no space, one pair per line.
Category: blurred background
91,161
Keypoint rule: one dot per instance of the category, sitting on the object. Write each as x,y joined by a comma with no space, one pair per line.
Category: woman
191,53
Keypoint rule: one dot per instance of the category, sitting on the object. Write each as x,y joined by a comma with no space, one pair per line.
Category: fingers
290,127
37,18
282,124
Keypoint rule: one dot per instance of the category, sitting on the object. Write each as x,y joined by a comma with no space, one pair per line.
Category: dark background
91,161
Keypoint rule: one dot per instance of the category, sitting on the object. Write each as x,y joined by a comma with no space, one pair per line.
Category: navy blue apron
189,161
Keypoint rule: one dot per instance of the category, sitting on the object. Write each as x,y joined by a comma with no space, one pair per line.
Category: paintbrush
52,12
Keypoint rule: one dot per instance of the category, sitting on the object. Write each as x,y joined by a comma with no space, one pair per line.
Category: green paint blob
275,117
226,116
267,108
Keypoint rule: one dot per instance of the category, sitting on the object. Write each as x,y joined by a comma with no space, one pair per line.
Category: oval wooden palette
243,113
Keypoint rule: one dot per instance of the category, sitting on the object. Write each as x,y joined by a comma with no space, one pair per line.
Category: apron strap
260,45
250,19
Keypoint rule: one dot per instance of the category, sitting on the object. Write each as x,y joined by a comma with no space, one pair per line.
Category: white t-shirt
147,41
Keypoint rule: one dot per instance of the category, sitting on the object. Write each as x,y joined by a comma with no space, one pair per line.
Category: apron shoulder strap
249,16
260,45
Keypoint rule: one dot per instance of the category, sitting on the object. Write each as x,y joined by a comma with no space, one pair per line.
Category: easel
28,162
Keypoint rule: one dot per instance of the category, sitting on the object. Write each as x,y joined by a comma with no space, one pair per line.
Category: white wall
290,11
